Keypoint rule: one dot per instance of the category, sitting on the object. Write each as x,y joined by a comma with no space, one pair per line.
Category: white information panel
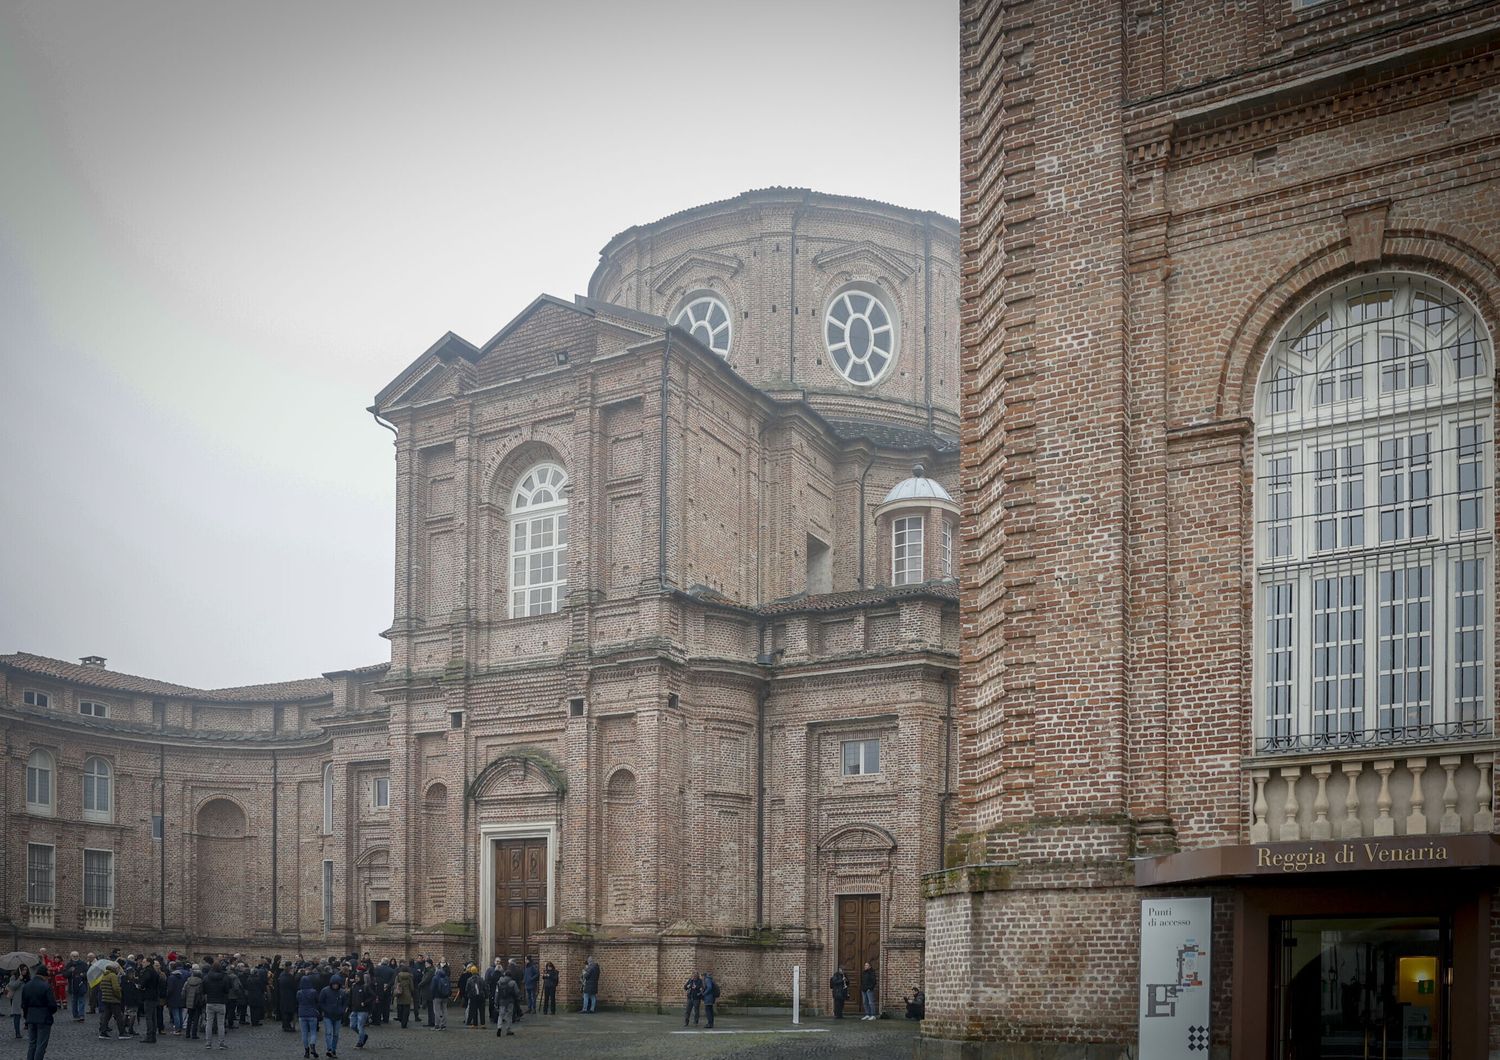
1174,978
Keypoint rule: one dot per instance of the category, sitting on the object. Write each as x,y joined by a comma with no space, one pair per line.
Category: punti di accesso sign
1174,984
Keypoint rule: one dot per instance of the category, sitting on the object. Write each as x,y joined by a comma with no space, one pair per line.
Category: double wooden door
859,935
520,895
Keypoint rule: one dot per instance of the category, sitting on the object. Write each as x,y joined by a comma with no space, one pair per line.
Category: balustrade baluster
1290,829
1416,820
1351,827
1320,828
1451,821
1260,830
1385,824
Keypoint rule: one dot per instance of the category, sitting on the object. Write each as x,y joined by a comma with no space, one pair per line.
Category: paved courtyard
569,1036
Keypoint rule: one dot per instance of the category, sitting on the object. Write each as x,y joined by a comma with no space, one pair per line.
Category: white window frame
537,581
93,708
859,302
380,793
33,895
1331,638
35,697
696,317
947,548
109,874
908,534
866,752
328,798
95,781
34,768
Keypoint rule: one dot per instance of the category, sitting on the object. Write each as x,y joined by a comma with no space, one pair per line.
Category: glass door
1360,988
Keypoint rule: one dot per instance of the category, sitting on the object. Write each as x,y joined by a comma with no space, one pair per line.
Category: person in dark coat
710,998
259,979
422,976
151,987
868,982
693,991
530,978
286,998
175,980
517,976
590,983
38,1002
838,985
549,989
308,1016
333,1003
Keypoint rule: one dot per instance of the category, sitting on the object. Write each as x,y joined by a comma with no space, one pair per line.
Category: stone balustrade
98,919
40,916
1372,792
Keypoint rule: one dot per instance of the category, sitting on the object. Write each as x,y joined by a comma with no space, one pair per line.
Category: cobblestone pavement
570,1036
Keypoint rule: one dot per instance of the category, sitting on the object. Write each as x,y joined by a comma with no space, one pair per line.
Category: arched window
539,542
328,799
1374,533
98,794
40,771
707,317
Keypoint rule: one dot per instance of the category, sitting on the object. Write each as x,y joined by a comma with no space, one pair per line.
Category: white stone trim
488,835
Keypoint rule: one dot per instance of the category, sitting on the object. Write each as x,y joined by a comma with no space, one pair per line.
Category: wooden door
520,895
859,935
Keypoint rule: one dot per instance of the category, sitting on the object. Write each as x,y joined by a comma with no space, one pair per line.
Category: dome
919,490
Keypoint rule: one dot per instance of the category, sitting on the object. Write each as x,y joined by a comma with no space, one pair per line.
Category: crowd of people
144,996
149,995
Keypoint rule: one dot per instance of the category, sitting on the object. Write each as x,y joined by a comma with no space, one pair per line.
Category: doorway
1361,987
520,895
859,934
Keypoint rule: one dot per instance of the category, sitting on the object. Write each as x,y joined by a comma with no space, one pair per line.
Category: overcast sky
225,225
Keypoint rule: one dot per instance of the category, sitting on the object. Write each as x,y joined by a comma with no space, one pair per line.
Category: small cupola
917,523
94,660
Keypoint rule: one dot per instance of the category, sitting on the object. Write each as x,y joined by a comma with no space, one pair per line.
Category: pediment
524,771
875,259
725,265
858,838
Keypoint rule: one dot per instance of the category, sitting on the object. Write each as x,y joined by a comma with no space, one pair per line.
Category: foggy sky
225,226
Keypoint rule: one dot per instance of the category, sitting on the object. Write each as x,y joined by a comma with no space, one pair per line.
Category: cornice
865,250
121,732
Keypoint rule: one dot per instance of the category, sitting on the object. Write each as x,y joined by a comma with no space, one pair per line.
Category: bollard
796,993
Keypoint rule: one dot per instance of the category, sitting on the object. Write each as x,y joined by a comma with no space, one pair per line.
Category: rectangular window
32,698
1338,657
539,564
39,782
1402,367
156,826
382,793
1468,644
1339,497
327,897
1283,391
1404,673
1430,311
1279,662
40,873
1471,478
1405,487
91,709
906,551
455,719
380,911
1468,357
328,799
99,879
1347,380
861,757
1279,507
947,548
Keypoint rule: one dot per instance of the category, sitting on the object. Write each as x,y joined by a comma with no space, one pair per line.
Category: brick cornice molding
707,261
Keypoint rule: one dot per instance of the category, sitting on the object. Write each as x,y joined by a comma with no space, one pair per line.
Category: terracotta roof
307,688
890,436
116,727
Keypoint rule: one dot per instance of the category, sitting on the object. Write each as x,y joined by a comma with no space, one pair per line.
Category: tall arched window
98,793
40,782
539,542
1375,529
328,799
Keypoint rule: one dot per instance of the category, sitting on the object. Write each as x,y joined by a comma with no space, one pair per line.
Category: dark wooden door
859,935
520,895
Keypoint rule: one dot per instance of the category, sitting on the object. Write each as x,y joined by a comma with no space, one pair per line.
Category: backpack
476,987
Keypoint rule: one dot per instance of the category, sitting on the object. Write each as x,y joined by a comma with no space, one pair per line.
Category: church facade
1227,741
673,651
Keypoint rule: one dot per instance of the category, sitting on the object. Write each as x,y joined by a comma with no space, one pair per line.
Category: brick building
1228,570
672,659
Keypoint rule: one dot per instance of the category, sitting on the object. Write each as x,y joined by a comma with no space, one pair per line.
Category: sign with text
1174,988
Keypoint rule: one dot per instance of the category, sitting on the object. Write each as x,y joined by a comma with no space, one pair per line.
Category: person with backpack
404,992
507,1000
192,1000
710,998
441,991
474,994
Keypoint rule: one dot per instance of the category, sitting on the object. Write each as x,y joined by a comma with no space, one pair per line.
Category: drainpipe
661,484
161,850
863,518
927,314
947,793
760,801
275,875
